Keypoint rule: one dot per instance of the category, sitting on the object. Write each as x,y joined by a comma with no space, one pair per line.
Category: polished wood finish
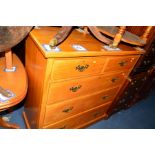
77,67
16,82
127,37
101,33
65,109
81,120
146,33
37,71
95,48
8,59
83,86
13,80
9,81
120,63
8,125
137,30
60,36
98,35
65,85
118,36
26,120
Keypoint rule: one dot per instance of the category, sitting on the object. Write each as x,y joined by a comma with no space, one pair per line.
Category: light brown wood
82,86
147,33
137,30
26,120
127,37
120,63
60,36
64,85
8,60
16,82
62,110
8,125
36,70
8,81
118,37
76,67
94,47
98,35
82,119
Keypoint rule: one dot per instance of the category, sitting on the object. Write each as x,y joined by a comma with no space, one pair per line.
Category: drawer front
69,68
120,63
81,119
74,88
63,110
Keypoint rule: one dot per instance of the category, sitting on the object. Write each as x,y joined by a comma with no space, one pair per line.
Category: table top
16,82
92,47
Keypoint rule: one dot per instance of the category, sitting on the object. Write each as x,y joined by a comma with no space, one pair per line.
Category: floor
140,116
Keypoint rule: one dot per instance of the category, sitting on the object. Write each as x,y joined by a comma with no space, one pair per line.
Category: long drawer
81,119
70,67
120,63
83,86
63,110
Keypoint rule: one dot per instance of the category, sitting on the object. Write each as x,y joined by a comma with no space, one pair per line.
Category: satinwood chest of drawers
73,85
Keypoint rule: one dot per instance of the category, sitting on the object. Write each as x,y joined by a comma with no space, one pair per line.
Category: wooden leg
8,125
8,59
118,37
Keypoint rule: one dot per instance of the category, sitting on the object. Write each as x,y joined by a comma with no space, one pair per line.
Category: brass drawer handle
114,79
76,88
96,114
63,127
123,63
67,109
82,68
105,97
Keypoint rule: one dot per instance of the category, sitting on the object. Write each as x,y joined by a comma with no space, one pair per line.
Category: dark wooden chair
110,35
121,34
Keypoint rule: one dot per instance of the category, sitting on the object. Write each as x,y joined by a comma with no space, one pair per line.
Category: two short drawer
82,119
69,68
68,108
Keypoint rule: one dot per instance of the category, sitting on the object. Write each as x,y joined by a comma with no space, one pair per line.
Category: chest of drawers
71,88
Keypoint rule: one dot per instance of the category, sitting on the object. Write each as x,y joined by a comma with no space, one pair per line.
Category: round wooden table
16,82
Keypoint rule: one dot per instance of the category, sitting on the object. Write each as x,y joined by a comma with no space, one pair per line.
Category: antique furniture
13,79
120,34
141,78
103,33
74,84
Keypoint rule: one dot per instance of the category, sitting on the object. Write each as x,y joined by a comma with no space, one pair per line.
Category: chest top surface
77,44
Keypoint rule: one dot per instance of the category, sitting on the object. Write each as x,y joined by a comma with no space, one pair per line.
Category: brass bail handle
82,68
67,110
115,79
123,63
76,88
